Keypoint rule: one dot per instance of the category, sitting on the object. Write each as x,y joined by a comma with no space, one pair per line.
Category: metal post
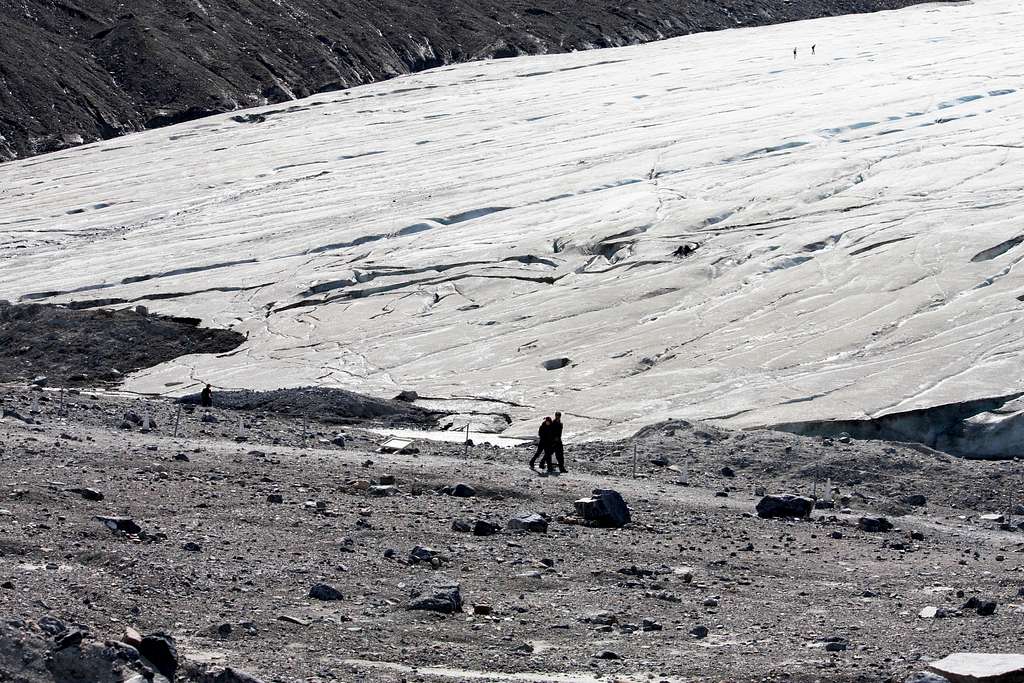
467,441
177,420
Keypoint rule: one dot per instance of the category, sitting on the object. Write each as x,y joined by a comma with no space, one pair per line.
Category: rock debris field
257,554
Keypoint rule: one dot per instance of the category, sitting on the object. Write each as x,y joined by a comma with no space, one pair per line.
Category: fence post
466,454
177,420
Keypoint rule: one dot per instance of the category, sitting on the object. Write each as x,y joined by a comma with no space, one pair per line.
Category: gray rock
916,500
87,493
529,521
925,677
785,505
162,652
123,524
484,528
423,554
874,524
600,618
460,490
446,599
462,526
276,498
699,632
605,508
321,591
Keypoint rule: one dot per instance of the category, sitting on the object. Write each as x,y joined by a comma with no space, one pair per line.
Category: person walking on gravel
206,397
556,440
544,445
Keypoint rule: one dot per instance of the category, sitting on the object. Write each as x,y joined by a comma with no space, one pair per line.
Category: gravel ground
228,573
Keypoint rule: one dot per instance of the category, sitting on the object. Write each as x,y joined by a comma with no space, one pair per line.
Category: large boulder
874,524
529,521
604,508
980,667
785,505
446,599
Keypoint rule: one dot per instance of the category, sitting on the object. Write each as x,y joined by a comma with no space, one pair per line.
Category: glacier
704,228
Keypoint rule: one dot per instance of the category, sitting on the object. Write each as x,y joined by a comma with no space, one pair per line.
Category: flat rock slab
980,667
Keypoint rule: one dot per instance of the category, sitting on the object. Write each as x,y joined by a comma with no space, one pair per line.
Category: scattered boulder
983,607
727,472
321,591
874,524
275,498
556,363
162,652
462,526
785,505
122,524
423,554
699,632
529,521
484,528
407,396
460,490
979,667
932,612
87,493
605,508
916,500
925,677
604,618
446,599
608,654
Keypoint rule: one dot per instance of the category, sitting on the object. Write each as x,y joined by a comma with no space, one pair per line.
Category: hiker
206,397
556,440
813,48
544,445
794,53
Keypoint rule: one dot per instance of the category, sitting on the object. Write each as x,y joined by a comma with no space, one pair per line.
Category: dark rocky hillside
74,71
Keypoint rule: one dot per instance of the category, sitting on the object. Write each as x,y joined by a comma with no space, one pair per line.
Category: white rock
980,667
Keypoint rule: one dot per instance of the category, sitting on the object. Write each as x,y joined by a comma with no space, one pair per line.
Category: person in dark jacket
206,397
544,445
556,440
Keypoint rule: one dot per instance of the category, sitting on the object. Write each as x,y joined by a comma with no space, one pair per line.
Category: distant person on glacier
206,397
813,48
794,53
544,445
